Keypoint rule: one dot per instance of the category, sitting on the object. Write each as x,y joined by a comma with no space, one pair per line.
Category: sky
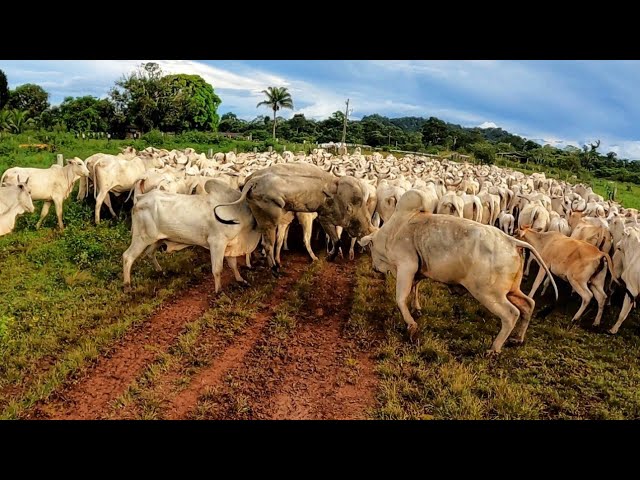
559,102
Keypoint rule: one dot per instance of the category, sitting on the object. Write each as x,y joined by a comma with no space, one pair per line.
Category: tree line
151,101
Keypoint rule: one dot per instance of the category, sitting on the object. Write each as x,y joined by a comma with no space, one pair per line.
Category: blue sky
556,102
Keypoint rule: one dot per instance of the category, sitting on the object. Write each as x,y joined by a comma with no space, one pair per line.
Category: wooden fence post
60,159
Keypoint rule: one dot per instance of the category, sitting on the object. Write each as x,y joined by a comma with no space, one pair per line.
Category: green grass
63,299
562,372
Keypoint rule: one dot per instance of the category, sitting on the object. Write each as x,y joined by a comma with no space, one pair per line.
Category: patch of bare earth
90,394
314,373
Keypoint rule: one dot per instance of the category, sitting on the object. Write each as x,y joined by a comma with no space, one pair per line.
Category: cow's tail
539,259
606,258
245,190
138,188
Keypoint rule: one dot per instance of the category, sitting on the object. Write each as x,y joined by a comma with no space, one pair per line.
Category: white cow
14,200
179,221
53,184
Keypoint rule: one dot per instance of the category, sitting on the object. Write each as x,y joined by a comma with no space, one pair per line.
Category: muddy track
314,373
89,395
183,403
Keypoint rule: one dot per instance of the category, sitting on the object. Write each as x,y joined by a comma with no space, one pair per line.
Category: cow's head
345,205
24,196
376,244
78,167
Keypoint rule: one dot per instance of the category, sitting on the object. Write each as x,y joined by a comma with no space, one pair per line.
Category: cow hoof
351,256
417,313
515,341
413,332
275,271
332,256
127,289
244,284
612,332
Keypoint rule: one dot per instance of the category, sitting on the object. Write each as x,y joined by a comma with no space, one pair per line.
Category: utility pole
344,127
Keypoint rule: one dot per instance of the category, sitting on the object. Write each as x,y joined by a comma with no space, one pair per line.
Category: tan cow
575,261
414,245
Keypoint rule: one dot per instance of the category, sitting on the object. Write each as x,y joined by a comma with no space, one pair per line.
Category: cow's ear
364,241
391,201
331,189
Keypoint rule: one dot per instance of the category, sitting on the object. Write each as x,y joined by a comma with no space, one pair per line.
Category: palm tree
19,120
4,120
277,98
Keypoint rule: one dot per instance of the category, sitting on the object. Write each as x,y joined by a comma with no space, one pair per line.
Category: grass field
63,308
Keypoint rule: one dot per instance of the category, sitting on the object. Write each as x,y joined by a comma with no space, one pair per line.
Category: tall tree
29,97
86,113
4,90
277,98
188,102
137,96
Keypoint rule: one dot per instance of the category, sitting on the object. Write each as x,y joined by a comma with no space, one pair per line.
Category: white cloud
487,125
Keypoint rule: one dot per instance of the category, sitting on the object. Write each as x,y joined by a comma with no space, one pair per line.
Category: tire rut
315,373
90,394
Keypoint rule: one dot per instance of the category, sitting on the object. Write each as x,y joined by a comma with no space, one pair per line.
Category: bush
153,138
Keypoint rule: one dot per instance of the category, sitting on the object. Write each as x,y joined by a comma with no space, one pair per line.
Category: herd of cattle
420,216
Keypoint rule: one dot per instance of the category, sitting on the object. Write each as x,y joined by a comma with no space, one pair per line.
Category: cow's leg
216,248
233,264
43,213
99,201
335,238
282,231
526,306
404,286
269,244
247,260
286,238
150,252
526,272
130,255
307,231
626,308
508,313
107,202
352,253
537,282
415,303
58,203
597,288
584,292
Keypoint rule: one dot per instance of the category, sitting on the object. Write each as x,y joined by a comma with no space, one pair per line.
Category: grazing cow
414,245
302,187
575,261
14,200
53,184
179,221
